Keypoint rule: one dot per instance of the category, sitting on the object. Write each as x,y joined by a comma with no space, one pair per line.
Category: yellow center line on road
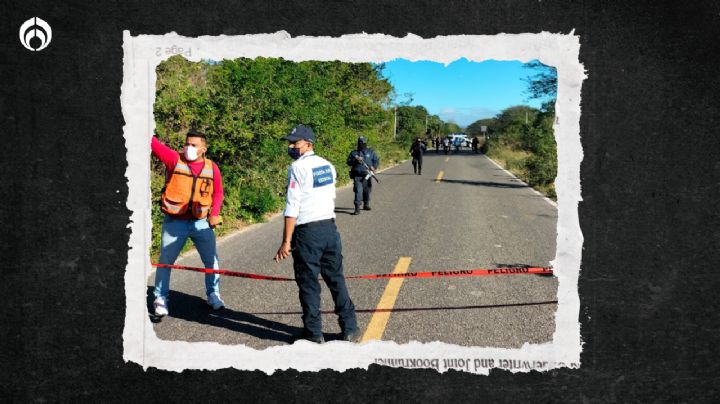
439,176
379,320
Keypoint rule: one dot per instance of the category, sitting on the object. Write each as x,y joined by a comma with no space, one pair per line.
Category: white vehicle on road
465,141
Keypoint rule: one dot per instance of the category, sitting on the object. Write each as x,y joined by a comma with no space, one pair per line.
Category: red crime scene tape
415,275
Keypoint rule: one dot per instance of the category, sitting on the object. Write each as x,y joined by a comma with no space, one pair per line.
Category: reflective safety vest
186,193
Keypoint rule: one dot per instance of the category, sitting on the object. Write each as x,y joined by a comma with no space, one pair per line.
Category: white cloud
466,115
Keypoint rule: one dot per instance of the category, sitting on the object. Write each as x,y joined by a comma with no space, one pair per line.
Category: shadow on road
485,183
442,308
347,211
192,308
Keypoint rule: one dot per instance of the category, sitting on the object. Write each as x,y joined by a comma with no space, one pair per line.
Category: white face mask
191,153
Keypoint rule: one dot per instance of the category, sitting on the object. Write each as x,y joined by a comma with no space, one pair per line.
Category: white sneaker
215,301
160,307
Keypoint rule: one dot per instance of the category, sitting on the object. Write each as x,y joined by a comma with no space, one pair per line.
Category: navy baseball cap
361,139
300,132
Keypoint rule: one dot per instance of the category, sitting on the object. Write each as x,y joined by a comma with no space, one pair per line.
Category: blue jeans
174,234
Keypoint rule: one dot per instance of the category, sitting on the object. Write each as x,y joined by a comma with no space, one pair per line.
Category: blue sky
463,91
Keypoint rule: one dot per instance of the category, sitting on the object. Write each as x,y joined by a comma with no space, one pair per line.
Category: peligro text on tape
469,272
416,275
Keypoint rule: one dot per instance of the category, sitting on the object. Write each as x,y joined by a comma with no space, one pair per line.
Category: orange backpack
184,191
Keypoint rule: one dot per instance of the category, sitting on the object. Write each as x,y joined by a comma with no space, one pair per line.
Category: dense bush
522,129
484,147
540,141
523,139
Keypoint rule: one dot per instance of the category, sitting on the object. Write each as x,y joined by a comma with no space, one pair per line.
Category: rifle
370,173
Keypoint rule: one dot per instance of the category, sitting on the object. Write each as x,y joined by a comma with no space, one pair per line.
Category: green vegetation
527,150
521,138
475,128
246,105
543,85
414,121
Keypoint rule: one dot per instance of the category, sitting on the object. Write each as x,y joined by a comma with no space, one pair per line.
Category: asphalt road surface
462,213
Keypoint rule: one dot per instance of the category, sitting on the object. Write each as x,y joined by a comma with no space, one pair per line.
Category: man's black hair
195,133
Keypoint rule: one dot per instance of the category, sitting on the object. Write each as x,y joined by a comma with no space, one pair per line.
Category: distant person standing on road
457,142
416,150
361,162
446,144
191,201
475,142
312,238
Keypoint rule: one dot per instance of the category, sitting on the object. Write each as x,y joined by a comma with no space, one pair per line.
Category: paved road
476,216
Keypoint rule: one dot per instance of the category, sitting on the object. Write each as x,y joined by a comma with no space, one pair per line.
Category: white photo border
143,53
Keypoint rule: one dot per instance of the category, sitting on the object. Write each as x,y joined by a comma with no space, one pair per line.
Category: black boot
366,206
357,210
308,337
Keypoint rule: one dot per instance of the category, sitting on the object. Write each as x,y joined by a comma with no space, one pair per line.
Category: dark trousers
317,251
362,189
417,164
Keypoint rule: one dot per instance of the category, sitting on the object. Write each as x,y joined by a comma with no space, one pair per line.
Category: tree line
414,121
522,136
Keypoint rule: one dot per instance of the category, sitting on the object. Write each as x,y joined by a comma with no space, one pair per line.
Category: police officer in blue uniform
416,151
311,236
360,161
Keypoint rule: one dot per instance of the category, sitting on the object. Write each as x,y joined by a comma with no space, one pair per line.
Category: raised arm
168,156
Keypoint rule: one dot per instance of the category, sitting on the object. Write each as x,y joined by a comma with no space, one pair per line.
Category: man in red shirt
191,200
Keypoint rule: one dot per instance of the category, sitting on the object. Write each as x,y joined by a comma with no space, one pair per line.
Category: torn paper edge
143,53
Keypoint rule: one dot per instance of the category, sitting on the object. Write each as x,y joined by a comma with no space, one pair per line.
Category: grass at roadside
509,159
515,161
